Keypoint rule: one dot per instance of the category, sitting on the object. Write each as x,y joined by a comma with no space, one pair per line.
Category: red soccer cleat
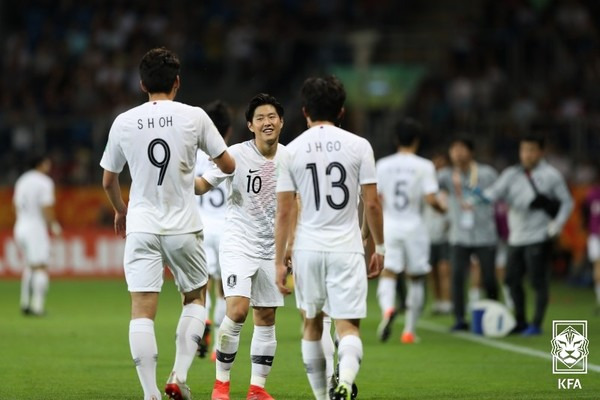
258,393
220,391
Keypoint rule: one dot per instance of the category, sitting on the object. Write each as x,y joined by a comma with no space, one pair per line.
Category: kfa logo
569,347
231,281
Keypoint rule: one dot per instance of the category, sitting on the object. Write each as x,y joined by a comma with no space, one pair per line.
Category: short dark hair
158,70
407,131
260,100
468,143
218,111
323,98
534,137
36,159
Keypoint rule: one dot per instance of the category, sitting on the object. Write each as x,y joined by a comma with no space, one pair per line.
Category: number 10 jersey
251,201
159,141
326,167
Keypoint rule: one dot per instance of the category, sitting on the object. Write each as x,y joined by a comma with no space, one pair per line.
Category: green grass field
80,350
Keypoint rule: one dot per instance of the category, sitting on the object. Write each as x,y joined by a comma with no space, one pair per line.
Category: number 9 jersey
326,167
159,141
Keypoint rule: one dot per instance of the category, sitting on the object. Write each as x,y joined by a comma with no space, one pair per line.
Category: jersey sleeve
367,173
285,180
214,176
430,183
113,159
210,140
47,193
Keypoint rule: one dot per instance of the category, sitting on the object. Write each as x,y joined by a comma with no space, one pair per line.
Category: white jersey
251,201
404,179
212,205
159,141
326,167
33,191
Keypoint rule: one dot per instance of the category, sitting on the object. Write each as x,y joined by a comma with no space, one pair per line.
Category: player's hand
375,266
55,228
282,273
287,259
120,223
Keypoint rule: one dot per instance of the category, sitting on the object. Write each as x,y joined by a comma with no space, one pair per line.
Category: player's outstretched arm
201,186
434,201
283,221
110,183
225,162
374,217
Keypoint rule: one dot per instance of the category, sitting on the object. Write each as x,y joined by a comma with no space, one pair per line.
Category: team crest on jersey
569,347
231,281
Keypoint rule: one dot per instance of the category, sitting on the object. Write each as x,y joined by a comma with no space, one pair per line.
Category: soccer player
34,205
327,167
247,251
591,216
539,205
159,141
405,180
212,207
472,225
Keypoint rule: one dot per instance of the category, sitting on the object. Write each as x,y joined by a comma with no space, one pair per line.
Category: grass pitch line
431,326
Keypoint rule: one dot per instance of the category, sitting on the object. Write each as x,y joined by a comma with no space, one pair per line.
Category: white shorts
211,248
593,247
332,282
34,243
407,253
250,277
146,255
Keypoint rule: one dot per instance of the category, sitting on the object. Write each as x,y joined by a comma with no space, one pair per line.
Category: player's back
159,141
33,191
328,164
404,178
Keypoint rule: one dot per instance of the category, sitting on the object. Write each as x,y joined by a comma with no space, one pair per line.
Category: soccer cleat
460,326
335,380
204,344
385,326
176,390
532,330
258,393
341,392
408,338
220,391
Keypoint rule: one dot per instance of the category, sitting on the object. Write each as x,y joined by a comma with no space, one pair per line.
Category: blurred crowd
68,68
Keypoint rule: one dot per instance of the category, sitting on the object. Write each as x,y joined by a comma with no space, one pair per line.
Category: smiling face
266,125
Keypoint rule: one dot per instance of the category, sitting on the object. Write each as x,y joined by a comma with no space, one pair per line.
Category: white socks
39,288
228,342
415,299
314,364
144,351
328,347
188,335
262,353
508,301
26,289
386,294
218,315
350,352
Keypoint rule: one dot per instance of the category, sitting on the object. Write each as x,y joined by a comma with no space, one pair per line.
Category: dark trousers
460,260
533,260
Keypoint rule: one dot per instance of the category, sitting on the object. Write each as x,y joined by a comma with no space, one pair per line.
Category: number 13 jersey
326,167
251,200
159,141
